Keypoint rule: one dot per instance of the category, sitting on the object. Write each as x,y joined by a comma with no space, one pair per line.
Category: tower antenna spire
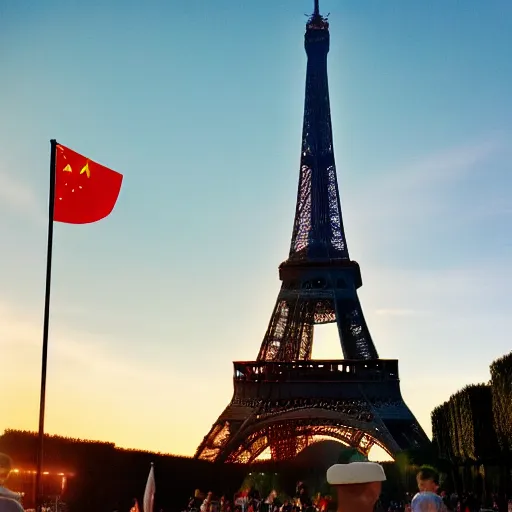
317,8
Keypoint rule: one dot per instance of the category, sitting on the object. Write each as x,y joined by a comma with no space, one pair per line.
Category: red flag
85,191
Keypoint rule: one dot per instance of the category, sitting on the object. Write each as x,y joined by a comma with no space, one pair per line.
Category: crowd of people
358,487
429,497
251,501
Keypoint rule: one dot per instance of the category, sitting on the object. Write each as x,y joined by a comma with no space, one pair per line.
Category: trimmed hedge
463,427
501,382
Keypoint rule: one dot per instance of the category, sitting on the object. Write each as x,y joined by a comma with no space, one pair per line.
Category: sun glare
326,342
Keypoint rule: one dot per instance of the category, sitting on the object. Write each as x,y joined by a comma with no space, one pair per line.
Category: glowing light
33,472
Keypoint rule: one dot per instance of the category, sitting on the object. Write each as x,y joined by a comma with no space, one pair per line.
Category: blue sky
199,105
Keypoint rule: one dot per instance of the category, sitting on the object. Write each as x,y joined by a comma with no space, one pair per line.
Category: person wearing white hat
358,485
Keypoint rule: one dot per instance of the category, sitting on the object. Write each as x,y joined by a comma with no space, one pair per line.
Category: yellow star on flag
85,169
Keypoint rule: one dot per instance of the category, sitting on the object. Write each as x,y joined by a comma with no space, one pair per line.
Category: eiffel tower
284,399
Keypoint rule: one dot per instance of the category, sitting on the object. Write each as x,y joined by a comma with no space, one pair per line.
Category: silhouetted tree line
108,478
473,432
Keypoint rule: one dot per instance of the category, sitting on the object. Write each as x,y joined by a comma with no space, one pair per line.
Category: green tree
263,482
501,384
442,432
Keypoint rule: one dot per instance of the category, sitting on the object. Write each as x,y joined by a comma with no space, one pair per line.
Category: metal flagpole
44,358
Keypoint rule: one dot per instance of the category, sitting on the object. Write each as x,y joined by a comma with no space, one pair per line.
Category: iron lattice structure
284,399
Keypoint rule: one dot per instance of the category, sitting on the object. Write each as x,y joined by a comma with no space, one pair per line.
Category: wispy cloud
22,335
439,291
19,197
426,173
90,378
398,312
400,202
449,164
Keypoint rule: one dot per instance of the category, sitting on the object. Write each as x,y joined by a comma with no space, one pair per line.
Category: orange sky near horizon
69,405
82,386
